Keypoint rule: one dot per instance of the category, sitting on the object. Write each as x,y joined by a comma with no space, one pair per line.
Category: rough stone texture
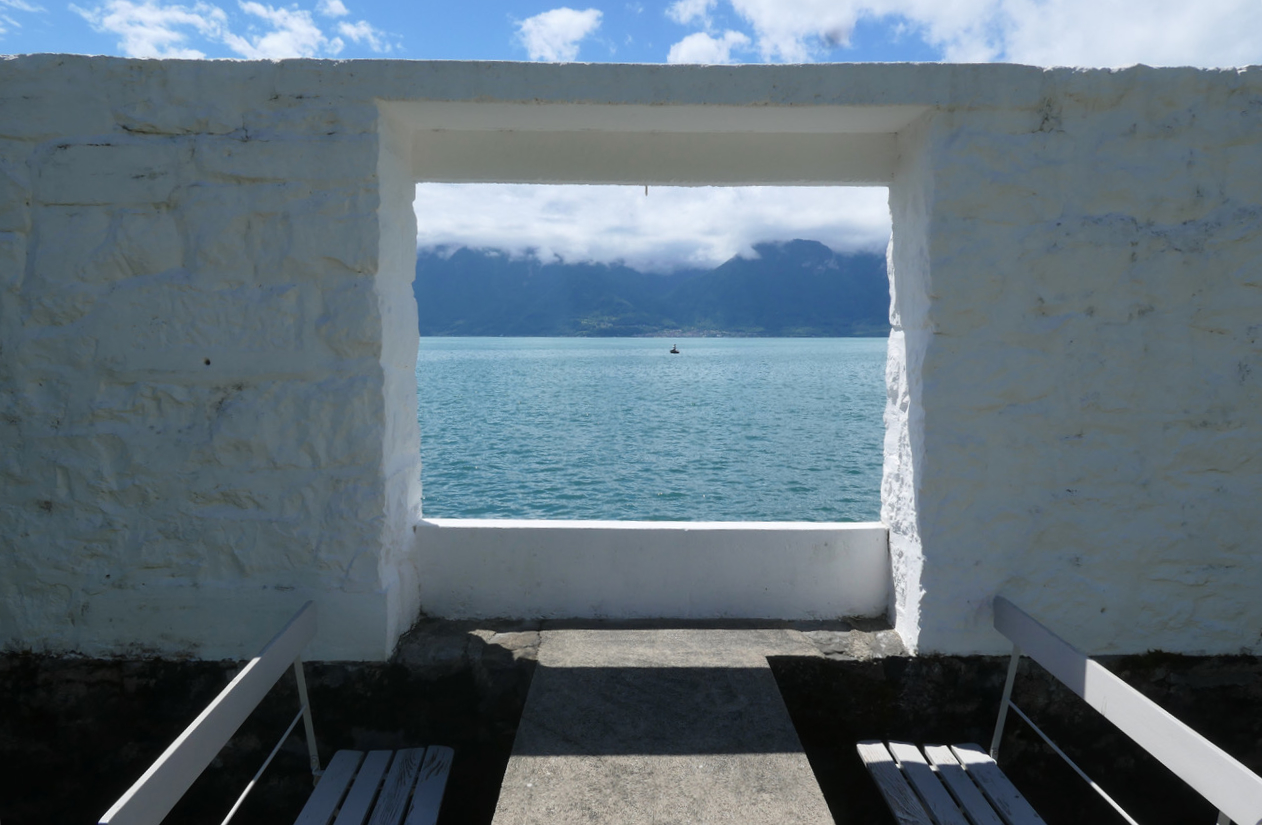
659,725
199,403
207,342
856,645
907,258
1079,398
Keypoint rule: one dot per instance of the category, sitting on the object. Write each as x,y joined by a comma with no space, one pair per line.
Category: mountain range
792,288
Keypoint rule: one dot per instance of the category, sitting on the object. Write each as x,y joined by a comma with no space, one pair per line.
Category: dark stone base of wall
75,733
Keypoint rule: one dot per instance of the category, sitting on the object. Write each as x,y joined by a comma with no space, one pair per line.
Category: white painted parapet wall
1076,380
479,568
207,337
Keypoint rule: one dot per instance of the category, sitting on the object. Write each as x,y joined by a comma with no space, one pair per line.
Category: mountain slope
790,289
794,288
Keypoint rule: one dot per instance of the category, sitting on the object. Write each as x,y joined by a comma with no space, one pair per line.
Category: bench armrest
1212,772
155,793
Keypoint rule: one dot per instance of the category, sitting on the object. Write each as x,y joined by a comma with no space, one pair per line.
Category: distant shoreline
676,334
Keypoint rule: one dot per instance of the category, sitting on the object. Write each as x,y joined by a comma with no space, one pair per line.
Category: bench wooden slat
1211,771
961,786
428,797
901,799
1007,800
155,793
328,793
392,804
359,801
926,782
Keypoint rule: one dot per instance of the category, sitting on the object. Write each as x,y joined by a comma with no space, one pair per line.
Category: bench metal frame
1231,787
156,792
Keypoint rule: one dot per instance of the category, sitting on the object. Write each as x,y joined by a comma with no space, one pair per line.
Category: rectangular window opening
547,387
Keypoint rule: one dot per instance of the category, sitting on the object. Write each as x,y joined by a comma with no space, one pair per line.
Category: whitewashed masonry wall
195,385
207,336
1081,374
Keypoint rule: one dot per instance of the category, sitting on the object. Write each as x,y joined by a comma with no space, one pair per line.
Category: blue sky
1040,32
635,32
674,227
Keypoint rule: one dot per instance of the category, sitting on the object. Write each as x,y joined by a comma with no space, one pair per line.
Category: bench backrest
154,795
1214,774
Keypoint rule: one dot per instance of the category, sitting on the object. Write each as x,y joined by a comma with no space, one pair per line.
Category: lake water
731,429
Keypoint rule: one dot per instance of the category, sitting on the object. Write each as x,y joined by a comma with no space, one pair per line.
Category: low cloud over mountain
796,288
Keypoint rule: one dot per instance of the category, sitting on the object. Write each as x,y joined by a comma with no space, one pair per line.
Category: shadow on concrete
74,732
862,624
654,711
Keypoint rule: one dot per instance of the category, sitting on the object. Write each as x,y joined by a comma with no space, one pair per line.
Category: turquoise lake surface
731,429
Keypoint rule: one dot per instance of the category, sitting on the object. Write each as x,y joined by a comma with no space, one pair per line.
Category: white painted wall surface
195,431
907,262
1075,376
1083,329
482,568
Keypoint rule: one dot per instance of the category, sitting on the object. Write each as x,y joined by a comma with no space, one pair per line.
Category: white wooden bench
963,785
383,788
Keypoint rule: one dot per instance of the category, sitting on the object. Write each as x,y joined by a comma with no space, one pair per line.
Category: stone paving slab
660,726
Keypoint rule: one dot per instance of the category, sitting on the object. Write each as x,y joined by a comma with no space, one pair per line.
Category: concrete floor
660,726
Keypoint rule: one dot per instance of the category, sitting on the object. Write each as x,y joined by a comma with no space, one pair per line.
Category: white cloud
795,31
7,21
367,34
555,35
685,12
671,228
149,29
1039,32
293,33
1155,32
702,48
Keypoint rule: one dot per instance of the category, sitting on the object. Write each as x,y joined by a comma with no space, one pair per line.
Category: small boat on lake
674,350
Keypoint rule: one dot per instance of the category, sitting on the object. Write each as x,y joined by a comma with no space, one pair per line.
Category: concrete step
659,726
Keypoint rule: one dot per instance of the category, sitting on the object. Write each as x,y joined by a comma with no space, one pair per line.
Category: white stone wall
907,261
1073,382
194,387
481,568
1083,394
